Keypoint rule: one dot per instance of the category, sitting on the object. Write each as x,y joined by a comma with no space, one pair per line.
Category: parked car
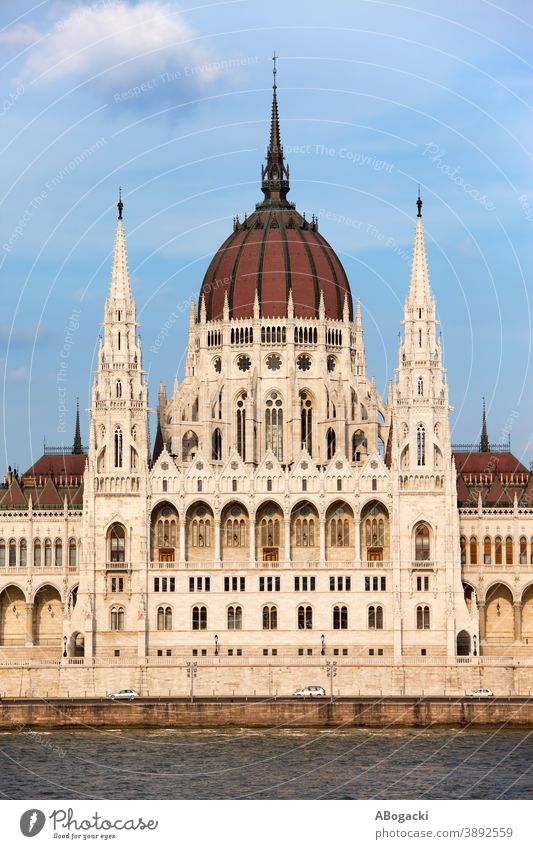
311,692
482,693
123,694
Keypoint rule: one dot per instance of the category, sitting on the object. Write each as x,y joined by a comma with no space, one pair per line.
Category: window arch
498,551
331,443
164,618
118,389
339,520
473,551
72,552
36,553
375,617
200,528
340,617
48,552
189,445
117,618
304,532
305,617
306,422
523,550
358,445
270,531
420,446
235,528
216,445
270,617
462,542
234,618
274,425
487,551
12,552
241,425
422,547
117,543
420,386
58,553
422,617
199,618
23,552
118,448
509,555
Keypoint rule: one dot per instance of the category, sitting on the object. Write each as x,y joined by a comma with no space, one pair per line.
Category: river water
449,763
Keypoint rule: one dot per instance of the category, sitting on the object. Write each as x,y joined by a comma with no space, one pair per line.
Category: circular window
339,511
217,365
332,362
270,511
201,511
303,362
305,511
166,512
244,362
164,466
235,511
273,362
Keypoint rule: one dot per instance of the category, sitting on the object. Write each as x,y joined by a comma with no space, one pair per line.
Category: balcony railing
295,565
118,566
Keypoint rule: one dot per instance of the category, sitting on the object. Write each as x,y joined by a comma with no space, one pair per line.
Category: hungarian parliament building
285,509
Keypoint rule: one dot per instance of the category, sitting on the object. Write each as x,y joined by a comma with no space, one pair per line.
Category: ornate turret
275,174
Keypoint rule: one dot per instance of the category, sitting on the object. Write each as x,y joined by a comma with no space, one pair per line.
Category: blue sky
172,101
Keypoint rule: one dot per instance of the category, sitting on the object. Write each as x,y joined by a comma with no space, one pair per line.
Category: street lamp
216,644
475,645
331,672
64,646
192,671
323,641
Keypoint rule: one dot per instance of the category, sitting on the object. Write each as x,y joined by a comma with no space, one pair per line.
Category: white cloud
19,36
115,46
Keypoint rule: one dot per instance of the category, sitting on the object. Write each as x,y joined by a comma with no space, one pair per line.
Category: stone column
216,524
482,620
517,617
287,553
251,538
357,539
183,530
322,532
29,624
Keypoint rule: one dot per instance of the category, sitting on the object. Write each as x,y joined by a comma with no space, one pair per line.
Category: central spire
275,174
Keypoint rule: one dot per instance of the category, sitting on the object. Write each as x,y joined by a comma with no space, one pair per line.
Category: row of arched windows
269,615
500,550
45,553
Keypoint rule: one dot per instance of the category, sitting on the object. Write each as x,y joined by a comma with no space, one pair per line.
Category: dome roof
275,252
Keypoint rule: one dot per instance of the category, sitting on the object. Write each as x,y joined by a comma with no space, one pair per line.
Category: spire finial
419,203
120,205
275,174
484,442
76,447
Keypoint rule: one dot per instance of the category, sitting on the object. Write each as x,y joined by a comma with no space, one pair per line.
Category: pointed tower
484,445
421,390
119,420
76,445
275,174
116,478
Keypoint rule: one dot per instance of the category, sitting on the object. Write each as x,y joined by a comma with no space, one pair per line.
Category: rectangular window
300,652
383,582
274,652
156,585
269,584
201,585
117,585
172,587
422,583
230,652
367,583
380,651
191,585
169,652
160,652
239,652
164,585
371,651
345,652
305,584
332,584
265,652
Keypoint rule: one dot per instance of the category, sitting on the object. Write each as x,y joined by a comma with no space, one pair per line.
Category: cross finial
274,70
120,205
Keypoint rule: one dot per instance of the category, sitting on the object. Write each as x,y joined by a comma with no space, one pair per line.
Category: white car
311,692
483,693
124,694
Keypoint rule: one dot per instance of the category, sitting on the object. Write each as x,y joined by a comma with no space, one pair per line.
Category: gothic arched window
422,549
270,617
306,422
274,425
422,617
118,448
118,389
331,442
241,425
117,543
420,446
234,618
216,445
420,386
340,617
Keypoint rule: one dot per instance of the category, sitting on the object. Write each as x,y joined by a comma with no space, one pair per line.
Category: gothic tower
112,584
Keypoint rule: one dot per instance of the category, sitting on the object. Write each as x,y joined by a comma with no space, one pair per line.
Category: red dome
275,250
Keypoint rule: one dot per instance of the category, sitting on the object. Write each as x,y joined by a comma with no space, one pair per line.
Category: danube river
451,763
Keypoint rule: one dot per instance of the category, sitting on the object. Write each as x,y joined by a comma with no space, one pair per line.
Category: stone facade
287,512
